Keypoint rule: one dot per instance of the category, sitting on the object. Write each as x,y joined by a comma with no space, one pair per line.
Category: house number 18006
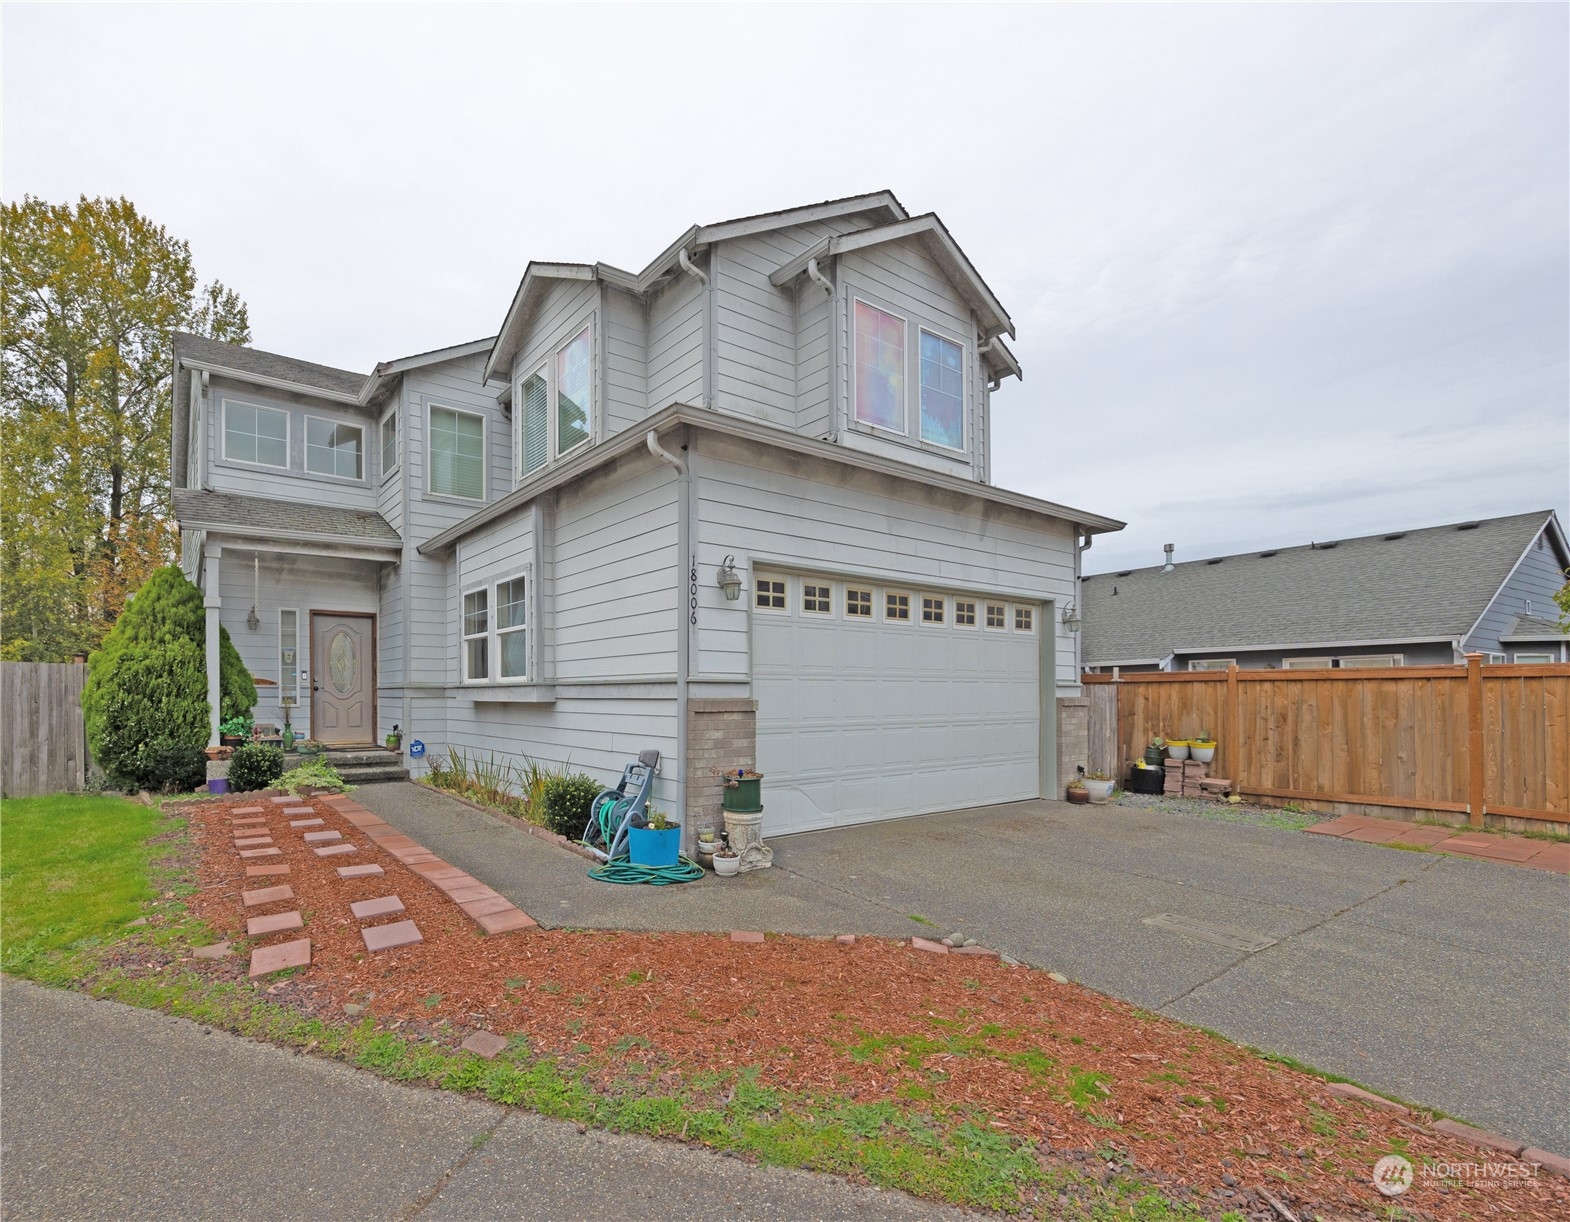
692,591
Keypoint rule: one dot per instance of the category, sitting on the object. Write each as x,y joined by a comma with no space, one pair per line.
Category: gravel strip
1223,812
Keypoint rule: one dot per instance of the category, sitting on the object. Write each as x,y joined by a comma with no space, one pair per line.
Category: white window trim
381,424
910,608
1490,658
293,677
543,371
983,605
1306,663
757,588
964,391
855,416
1013,618
485,455
821,584
919,613
526,576
977,608
1211,663
1534,657
872,607
1365,661
553,391
305,451
464,638
288,435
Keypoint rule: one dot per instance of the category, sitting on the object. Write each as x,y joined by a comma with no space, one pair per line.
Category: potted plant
218,753
708,845
394,740
1203,747
1098,787
1077,793
235,731
658,844
727,862
309,746
1177,748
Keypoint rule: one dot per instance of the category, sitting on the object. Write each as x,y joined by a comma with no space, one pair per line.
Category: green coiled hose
622,870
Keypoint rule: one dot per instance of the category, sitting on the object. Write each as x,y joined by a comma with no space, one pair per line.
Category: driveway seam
476,1143
1214,976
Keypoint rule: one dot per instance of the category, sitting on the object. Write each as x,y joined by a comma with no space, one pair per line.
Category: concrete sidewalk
113,1112
1437,979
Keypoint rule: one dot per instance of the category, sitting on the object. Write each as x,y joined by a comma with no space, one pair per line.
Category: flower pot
743,794
1204,752
230,740
1177,750
1154,756
1146,780
1099,792
648,847
217,784
1079,796
726,867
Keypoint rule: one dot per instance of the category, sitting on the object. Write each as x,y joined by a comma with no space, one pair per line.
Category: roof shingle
199,509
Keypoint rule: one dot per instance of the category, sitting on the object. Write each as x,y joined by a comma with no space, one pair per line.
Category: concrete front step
372,773
358,757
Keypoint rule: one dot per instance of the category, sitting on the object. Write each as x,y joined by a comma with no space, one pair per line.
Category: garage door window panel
858,603
997,617
1024,619
771,594
817,598
964,613
934,608
896,607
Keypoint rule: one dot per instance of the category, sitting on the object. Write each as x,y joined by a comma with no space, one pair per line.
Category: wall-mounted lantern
729,579
1071,617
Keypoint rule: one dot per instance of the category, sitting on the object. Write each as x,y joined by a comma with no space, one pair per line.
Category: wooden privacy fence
1473,739
44,745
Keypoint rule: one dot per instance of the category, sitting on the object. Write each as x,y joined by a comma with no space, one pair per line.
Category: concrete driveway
1440,980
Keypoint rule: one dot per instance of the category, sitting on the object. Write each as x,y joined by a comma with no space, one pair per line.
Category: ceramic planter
1177,750
1079,796
217,784
1099,792
726,867
1204,752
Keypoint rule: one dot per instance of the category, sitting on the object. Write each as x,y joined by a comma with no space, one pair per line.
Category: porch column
212,603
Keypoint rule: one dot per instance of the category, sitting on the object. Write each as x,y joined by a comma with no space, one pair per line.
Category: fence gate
44,747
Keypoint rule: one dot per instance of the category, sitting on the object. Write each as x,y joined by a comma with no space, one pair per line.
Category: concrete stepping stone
928,945
218,950
386,906
265,871
322,837
745,935
297,812
252,853
239,823
253,842
265,959
284,799
306,823
266,895
484,1044
248,810
333,850
389,937
358,871
281,922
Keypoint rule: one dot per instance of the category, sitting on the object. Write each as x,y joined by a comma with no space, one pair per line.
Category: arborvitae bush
145,702
255,766
566,800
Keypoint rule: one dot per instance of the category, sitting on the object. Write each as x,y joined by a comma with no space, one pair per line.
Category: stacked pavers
253,840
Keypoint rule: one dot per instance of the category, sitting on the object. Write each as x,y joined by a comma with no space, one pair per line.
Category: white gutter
683,676
818,277
261,379
691,269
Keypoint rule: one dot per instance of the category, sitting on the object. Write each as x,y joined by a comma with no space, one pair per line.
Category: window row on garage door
866,603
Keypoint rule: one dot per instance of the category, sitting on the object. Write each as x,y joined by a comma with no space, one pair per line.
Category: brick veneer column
1073,739
720,734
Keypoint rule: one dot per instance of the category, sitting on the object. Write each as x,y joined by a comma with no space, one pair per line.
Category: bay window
890,355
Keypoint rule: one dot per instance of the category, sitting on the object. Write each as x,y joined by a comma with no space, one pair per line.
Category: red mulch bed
795,1007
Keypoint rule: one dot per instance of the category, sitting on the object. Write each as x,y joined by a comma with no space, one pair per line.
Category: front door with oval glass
343,678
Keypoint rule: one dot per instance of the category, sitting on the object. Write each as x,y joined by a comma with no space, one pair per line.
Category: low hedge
254,766
566,801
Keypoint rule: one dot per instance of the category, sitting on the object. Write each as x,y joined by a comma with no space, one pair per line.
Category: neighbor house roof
1431,584
199,509
883,205
1528,628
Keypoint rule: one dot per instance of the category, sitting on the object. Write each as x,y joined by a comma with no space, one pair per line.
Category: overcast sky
1280,273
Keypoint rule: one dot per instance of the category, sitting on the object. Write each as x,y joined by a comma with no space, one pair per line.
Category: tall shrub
146,697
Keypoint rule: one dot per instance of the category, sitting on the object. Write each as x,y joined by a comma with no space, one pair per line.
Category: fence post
1231,748
1474,756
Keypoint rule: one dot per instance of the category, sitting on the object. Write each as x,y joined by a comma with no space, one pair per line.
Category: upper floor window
535,417
572,393
457,454
333,448
942,391
389,441
880,368
256,434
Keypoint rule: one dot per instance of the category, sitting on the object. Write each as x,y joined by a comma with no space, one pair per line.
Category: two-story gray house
734,506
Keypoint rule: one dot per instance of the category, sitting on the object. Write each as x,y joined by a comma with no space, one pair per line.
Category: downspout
818,278
683,546
406,571
697,273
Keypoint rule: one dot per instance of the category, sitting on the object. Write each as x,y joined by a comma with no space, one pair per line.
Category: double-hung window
880,368
555,404
891,354
334,448
476,636
572,393
942,391
535,421
512,630
256,434
457,454
390,442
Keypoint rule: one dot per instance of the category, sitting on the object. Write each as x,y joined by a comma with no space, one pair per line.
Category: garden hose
621,869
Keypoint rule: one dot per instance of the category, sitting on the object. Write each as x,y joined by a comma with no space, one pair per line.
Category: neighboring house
521,546
1403,598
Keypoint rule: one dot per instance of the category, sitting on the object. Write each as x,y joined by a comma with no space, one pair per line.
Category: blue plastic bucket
217,784
648,847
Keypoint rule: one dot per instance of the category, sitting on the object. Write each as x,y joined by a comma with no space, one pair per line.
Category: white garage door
878,701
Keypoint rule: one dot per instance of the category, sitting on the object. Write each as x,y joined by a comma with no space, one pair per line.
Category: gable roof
1528,628
1431,584
199,509
537,274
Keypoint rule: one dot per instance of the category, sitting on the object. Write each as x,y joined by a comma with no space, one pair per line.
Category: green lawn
72,866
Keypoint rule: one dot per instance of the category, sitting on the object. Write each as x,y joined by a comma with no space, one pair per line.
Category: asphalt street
1440,980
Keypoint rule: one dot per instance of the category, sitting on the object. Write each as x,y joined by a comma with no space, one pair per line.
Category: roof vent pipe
1168,549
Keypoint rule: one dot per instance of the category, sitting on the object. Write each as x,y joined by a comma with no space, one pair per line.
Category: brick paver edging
1461,842
491,911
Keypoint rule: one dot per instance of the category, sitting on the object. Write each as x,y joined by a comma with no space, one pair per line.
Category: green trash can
743,792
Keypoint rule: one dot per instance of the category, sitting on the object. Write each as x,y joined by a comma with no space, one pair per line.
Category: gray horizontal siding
626,361
1536,580
675,344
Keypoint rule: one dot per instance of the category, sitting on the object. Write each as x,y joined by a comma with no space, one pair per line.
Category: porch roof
200,509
